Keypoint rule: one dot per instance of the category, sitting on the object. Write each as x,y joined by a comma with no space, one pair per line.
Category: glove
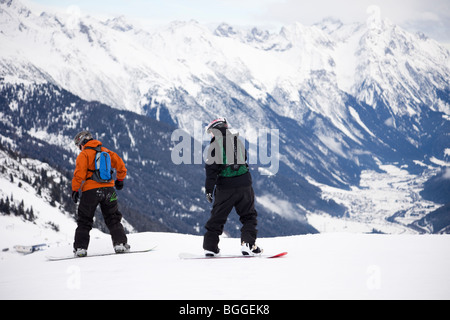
75,196
118,184
209,197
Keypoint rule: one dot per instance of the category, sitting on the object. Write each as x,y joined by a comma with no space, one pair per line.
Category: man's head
81,138
220,123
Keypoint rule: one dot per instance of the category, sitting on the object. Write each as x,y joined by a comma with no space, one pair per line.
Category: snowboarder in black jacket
227,171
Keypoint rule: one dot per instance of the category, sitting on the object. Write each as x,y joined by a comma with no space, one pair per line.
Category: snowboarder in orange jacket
95,193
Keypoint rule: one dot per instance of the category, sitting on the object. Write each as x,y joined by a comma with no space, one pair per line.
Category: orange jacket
85,161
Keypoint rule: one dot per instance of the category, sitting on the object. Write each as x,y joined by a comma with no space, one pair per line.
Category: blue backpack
103,171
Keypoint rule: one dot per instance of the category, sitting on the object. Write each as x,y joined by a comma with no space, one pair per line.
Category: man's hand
118,184
75,196
209,197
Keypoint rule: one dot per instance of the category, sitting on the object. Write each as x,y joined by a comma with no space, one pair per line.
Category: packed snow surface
322,266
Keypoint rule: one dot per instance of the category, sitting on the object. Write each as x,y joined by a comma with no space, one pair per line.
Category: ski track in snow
325,266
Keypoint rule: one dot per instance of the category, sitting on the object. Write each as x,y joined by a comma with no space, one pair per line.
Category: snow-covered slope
330,266
26,193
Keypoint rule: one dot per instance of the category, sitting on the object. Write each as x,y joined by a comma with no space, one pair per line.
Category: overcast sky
429,16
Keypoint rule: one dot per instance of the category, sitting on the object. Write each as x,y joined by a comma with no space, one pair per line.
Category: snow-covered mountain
118,64
349,101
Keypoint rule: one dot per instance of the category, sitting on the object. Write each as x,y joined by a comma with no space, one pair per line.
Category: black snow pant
243,200
89,201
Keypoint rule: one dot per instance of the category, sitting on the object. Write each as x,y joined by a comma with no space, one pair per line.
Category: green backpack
237,166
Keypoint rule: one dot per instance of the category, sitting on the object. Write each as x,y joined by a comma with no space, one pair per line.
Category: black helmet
81,138
217,124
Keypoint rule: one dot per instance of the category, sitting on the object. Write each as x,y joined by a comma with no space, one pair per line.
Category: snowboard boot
122,248
215,253
250,250
80,252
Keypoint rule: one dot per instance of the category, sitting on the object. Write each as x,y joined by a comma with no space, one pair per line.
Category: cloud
431,17
354,10
446,174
